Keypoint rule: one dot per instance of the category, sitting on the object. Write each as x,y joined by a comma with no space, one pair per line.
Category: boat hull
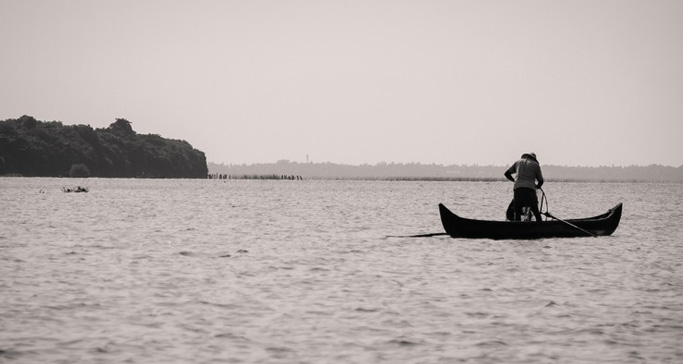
459,227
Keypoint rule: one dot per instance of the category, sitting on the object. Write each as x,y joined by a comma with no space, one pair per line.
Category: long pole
417,236
570,224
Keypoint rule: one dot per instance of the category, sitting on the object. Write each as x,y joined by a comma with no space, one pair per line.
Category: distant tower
306,158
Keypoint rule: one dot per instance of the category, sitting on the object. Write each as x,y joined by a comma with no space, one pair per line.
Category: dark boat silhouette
460,227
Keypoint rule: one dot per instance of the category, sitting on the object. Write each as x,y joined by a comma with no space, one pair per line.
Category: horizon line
441,164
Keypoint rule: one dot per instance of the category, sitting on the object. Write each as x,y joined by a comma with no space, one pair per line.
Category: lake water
212,271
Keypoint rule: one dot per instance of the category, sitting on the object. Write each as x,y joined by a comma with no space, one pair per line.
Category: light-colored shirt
528,172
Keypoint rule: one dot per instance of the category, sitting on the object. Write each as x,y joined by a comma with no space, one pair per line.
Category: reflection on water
180,271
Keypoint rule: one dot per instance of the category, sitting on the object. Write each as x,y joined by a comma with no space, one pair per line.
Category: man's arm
539,177
510,171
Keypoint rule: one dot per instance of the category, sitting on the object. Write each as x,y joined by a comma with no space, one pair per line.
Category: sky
580,83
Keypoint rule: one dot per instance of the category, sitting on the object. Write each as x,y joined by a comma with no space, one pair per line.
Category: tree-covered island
33,148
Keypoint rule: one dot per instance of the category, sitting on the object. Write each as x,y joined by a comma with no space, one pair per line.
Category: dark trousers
526,197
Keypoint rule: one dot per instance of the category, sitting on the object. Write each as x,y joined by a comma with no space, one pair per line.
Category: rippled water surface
202,271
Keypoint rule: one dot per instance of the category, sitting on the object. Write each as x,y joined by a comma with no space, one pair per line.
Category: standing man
528,171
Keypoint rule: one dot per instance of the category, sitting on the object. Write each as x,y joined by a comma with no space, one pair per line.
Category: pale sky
581,83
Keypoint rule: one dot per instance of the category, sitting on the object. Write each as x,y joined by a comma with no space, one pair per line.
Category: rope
547,209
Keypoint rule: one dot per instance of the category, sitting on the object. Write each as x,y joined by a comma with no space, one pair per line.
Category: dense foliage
30,147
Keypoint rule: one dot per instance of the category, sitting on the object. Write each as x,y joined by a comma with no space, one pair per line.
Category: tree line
438,172
33,148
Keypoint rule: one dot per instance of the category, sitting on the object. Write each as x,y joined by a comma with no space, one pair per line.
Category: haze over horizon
581,83
442,164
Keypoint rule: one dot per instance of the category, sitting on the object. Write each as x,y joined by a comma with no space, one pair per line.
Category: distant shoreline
379,179
432,172
433,179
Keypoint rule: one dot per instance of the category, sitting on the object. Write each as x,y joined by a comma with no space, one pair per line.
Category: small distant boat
601,225
75,189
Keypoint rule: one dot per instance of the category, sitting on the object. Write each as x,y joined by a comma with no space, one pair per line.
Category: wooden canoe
460,227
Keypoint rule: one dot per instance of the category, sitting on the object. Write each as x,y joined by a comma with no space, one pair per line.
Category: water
207,271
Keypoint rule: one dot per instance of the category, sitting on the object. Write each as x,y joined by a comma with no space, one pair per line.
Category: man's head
531,156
